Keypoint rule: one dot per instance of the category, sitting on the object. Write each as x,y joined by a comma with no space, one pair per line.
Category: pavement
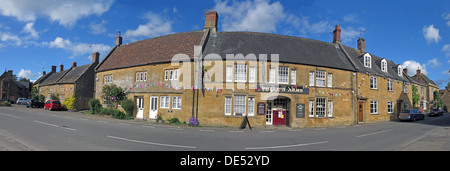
76,131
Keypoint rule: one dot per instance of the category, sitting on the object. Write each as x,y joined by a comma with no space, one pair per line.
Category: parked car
34,103
436,112
21,101
411,115
52,105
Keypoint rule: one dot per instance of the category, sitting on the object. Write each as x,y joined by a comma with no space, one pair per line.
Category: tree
113,94
415,96
438,100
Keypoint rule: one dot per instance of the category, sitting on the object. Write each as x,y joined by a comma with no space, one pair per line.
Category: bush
95,106
70,103
128,106
174,121
114,113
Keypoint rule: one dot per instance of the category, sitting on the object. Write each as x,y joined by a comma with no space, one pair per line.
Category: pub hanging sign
293,89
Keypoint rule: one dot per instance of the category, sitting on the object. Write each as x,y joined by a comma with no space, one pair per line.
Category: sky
35,34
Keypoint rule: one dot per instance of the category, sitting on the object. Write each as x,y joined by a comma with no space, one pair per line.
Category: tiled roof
68,76
154,50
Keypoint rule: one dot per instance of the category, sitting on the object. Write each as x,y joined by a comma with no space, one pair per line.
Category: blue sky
35,34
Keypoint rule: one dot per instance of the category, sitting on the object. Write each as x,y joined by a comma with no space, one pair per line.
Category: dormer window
384,65
400,71
367,61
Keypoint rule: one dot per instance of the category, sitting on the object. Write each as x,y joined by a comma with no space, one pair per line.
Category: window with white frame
330,108
175,74
108,79
390,107
252,74
166,75
384,65
400,70
320,107
176,102
240,72
311,78
227,105
330,80
373,107
373,83
165,102
272,75
283,75
320,78
141,76
251,106
390,85
311,108
367,61
294,77
405,88
61,88
239,105
229,74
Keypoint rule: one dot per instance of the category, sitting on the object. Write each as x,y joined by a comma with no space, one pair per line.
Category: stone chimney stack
119,40
95,57
211,20
419,72
43,72
61,67
405,71
337,34
53,68
362,45
74,64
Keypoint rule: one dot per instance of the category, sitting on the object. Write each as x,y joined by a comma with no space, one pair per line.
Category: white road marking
379,132
145,126
49,124
10,115
206,130
151,143
286,146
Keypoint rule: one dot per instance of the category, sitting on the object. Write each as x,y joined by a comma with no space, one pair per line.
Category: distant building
76,81
9,88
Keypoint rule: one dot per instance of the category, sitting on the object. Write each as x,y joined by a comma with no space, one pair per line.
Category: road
23,129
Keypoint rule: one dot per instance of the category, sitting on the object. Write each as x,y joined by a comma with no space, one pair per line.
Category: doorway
360,112
140,107
278,111
153,107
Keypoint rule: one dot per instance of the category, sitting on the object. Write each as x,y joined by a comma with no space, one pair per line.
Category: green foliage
2,103
41,98
54,97
128,106
113,95
174,121
437,98
415,96
95,106
70,103
114,113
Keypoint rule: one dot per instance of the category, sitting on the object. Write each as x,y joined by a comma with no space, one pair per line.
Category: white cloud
446,16
29,28
65,12
156,26
77,49
446,50
431,34
98,28
257,15
412,67
27,74
10,39
351,34
433,63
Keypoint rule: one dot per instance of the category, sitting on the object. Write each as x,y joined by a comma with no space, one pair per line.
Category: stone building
219,77
9,88
76,81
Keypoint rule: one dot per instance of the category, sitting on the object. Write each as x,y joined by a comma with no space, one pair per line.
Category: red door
279,117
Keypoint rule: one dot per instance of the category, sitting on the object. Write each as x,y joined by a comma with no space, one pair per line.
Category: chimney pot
61,67
362,45
74,64
337,34
211,20
95,57
119,40
53,68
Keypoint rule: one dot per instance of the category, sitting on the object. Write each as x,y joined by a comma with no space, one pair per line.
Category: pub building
220,77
